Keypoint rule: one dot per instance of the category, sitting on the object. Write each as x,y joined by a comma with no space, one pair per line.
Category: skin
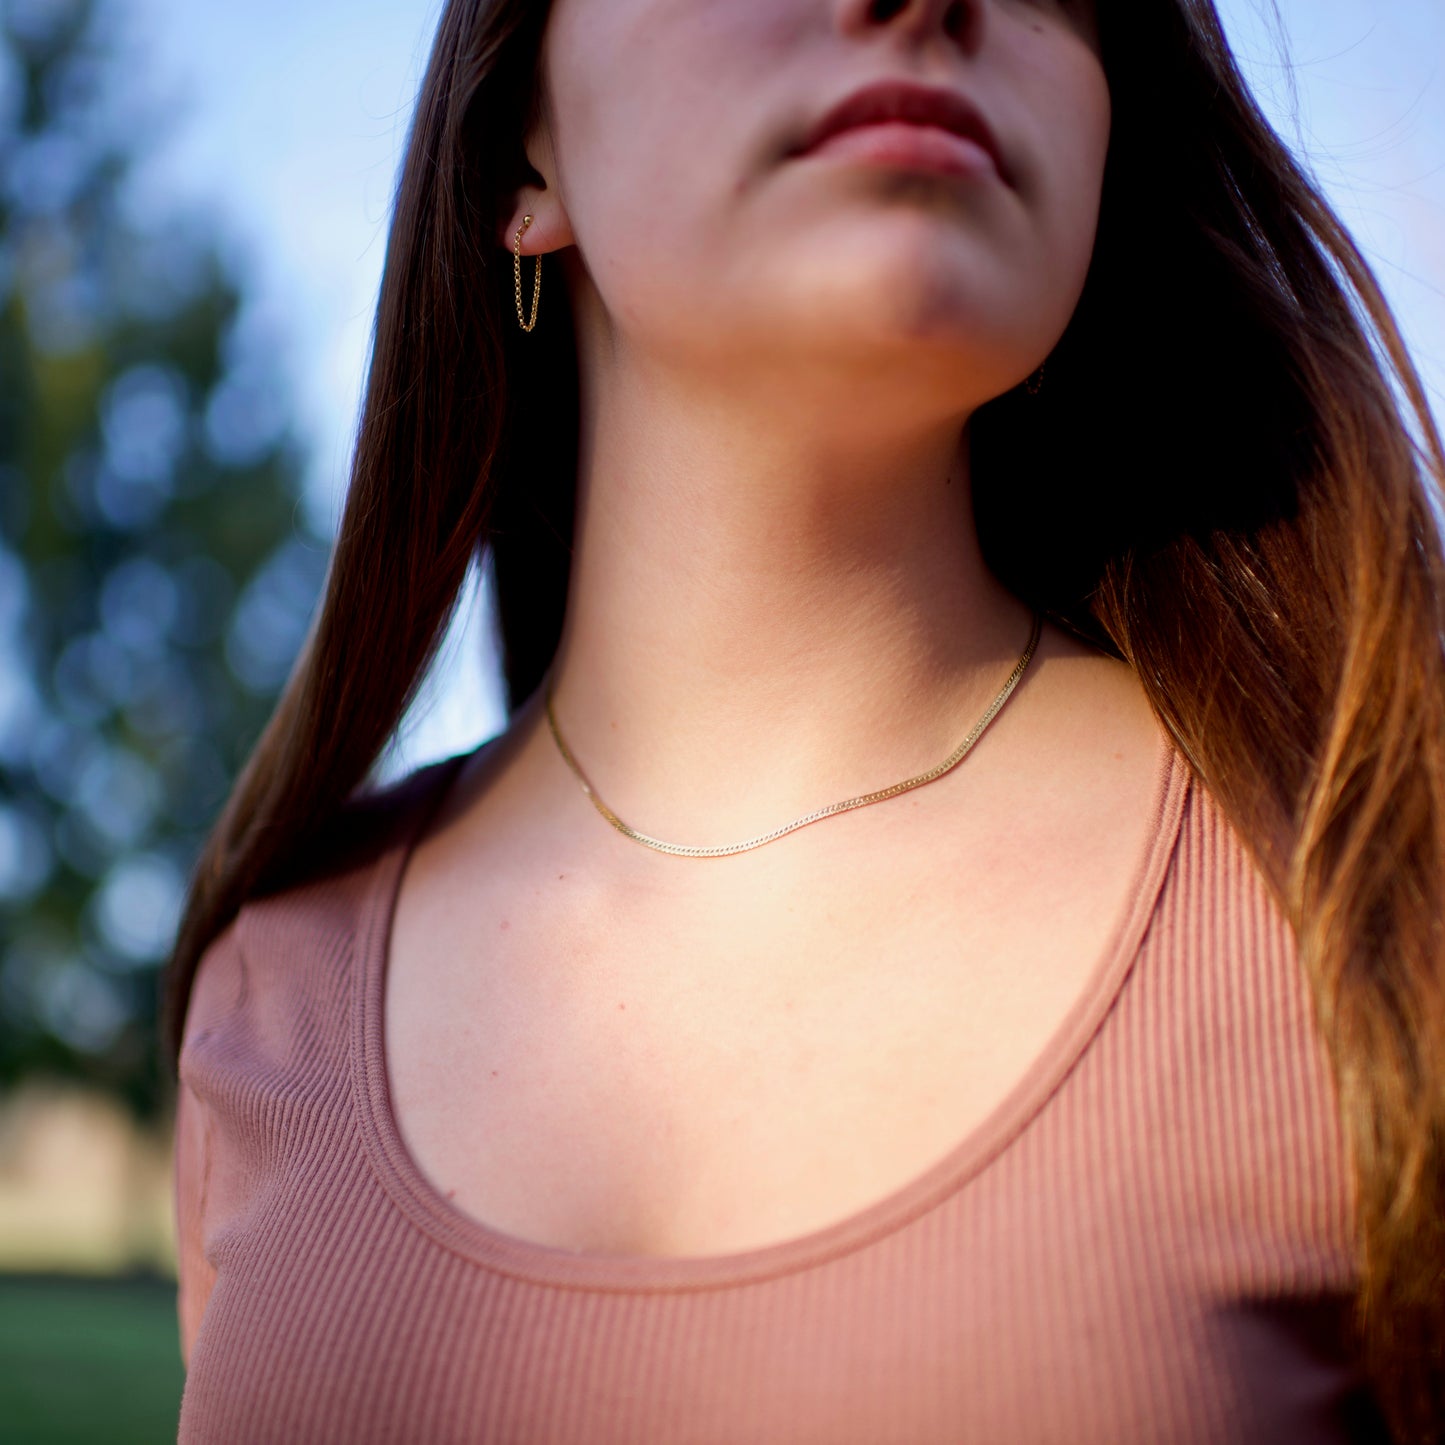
779,358
777,602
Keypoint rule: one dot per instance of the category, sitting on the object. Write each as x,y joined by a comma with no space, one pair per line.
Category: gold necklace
950,762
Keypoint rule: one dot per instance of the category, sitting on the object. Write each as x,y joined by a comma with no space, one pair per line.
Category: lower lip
898,143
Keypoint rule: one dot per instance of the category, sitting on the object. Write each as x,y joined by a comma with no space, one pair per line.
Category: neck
766,616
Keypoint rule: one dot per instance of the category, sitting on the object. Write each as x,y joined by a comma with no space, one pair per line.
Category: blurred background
194,198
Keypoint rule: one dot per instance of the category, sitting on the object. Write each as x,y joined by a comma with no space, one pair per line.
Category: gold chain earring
517,276
1033,385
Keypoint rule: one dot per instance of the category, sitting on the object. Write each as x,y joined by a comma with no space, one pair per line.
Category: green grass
93,1360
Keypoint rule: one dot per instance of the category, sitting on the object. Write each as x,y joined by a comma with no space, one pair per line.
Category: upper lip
907,101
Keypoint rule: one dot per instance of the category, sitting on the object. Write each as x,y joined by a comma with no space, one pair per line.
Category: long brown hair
1230,480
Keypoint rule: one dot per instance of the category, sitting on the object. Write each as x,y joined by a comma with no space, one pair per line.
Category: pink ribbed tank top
1148,1239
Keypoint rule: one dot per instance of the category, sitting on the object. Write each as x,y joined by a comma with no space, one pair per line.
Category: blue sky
289,115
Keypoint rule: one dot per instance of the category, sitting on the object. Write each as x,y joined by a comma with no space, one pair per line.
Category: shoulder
1232,974
1226,861
369,824
275,980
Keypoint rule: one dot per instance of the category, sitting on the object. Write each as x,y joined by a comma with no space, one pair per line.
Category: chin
936,326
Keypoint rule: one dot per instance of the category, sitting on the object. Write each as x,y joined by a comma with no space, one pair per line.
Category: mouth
898,122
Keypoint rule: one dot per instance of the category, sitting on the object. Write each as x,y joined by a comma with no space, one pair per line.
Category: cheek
634,83
1078,145
649,153
641,87
1097,107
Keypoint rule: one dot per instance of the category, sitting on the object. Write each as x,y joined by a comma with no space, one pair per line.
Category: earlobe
548,230
524,220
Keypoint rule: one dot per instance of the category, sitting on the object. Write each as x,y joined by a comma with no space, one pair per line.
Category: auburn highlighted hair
1232,482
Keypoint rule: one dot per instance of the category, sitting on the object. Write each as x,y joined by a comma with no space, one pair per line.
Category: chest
660,1074
593,1070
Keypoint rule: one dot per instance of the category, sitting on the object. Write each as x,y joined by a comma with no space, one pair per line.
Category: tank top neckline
428,1210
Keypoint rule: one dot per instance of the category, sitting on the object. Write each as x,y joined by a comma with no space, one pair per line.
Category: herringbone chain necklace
950,762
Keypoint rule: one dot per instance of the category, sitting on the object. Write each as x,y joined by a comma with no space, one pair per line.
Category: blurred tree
156,577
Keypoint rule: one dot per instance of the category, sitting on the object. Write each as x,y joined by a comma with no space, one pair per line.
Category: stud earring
517,276
1035,383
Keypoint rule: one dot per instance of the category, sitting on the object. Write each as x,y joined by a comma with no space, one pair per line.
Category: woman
949,943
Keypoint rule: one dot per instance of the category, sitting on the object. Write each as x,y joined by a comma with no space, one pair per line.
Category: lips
921,105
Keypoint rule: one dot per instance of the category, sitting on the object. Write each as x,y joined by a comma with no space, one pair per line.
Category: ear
550,229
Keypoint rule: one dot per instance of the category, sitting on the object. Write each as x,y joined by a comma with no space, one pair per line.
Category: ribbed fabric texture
1149,1240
